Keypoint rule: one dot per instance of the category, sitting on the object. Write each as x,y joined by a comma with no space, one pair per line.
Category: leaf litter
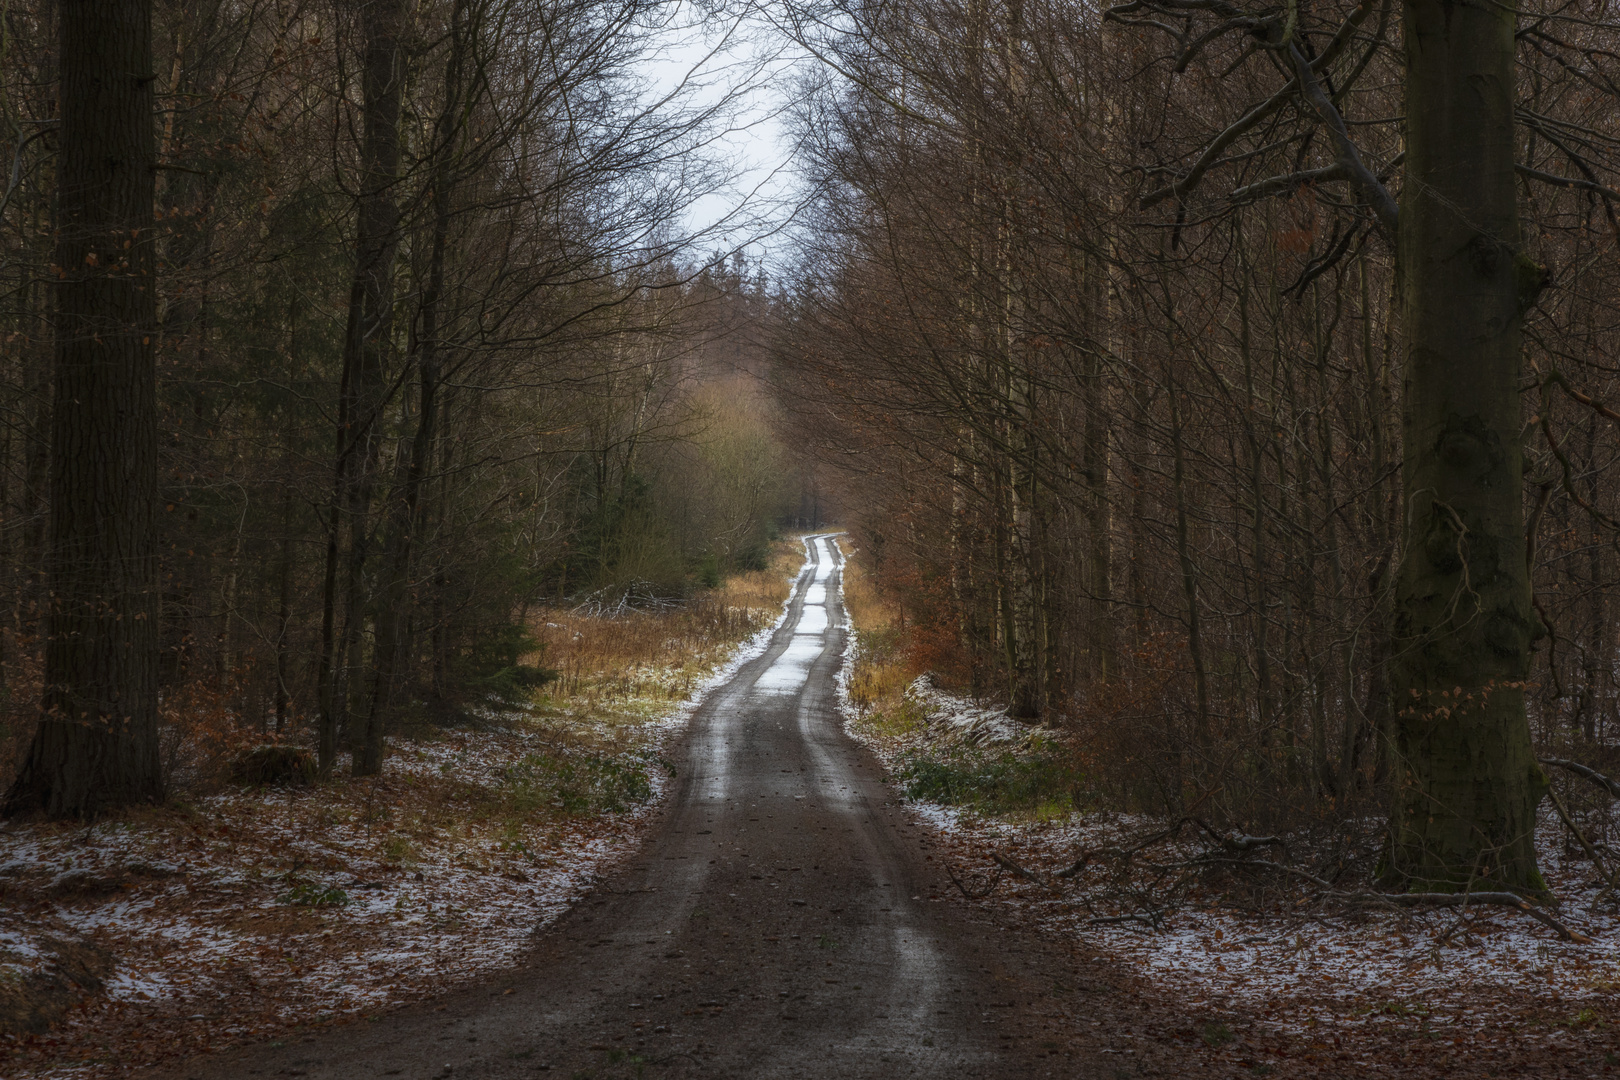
1277,975
250,914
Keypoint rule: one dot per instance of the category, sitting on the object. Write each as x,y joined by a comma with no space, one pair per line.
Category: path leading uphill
783,919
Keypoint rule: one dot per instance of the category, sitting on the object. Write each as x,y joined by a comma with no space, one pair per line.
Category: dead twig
1150,917
995,879
1266,864
1502,899
1239,843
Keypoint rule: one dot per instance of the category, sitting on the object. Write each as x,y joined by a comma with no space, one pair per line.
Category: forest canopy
429,345
1222,384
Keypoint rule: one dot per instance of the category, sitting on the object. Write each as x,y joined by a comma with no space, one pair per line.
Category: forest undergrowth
1283,945
240,912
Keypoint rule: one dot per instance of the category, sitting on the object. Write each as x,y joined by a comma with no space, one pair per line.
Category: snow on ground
1303,965
256,911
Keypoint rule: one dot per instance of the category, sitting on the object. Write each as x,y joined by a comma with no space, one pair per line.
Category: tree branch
1211,154
1284,185
1376,194
1609,785
1567,181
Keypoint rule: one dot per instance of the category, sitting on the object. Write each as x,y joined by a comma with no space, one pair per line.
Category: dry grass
619,672
882,670
271,906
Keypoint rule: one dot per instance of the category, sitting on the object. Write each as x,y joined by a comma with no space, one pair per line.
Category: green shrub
708,573
993,783
579,783
756,556
489,666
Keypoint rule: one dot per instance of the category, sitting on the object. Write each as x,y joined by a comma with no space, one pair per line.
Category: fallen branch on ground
1162,892
1018,871
970,894
1503,899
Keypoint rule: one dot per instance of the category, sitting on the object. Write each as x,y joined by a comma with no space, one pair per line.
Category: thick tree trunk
96,746
1468,782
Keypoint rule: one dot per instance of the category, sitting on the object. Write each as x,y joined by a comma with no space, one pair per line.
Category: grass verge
1030,776
245,911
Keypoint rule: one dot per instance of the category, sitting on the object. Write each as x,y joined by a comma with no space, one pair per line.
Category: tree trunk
393,612
96,746
365,345
1099,524
1189,570
1259,556
1468,782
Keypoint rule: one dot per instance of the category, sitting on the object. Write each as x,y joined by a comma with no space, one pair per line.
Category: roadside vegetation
952,753
291,904
1281,944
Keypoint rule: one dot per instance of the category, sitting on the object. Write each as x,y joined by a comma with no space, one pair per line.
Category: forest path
781,920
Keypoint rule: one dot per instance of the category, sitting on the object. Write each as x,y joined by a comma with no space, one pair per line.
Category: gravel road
783,919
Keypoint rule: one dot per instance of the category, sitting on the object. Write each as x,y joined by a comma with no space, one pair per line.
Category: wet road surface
782,919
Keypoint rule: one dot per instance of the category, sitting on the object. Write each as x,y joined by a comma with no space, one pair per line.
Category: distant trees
1153,306
414,272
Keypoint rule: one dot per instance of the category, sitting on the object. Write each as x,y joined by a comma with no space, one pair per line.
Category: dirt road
783,919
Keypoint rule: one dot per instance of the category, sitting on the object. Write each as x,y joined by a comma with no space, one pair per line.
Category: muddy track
782,919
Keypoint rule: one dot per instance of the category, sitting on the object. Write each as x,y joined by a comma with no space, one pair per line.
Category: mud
783,919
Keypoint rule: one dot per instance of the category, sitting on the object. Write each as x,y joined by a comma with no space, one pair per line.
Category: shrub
275,763
993,783
579,783
491,666
708,572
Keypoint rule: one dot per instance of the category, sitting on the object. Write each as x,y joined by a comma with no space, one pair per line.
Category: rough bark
1468,783
96,745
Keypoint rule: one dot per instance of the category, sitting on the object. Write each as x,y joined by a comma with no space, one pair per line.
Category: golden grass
619,672
882,672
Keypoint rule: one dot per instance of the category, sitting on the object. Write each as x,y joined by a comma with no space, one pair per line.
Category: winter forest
1137,476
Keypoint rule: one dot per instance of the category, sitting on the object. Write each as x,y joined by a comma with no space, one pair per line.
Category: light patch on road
812,622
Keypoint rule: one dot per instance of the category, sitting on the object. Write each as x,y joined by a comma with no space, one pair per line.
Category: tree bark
96,745
365,345
393,613
1468,782
1189,570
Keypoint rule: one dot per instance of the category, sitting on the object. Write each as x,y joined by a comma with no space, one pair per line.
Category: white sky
748,54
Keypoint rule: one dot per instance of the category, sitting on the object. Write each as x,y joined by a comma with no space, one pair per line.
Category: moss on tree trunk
1468,782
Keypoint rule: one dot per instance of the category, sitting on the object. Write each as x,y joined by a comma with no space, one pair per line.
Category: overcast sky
749,55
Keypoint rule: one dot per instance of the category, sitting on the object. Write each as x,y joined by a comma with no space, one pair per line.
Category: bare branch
1610,785
1376,194
1567,181
1287,185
